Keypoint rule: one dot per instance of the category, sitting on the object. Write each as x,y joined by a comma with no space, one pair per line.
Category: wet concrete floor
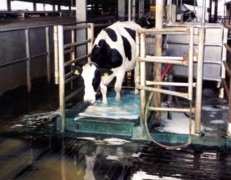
30,148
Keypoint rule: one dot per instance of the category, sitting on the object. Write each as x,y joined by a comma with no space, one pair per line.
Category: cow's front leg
103,90
118,85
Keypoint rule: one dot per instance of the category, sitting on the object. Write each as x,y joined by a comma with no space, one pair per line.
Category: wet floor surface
30,148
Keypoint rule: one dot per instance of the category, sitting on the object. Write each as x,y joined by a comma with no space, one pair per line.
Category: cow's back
115,46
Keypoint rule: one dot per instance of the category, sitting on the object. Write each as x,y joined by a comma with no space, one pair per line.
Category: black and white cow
113,54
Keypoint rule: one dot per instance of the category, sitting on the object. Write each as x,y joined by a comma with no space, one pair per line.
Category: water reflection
58,157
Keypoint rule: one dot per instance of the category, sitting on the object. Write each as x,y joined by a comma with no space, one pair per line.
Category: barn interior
203,123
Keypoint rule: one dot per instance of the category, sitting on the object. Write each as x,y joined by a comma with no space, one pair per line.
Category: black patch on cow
106,57
131,32
127,48
96,80
112,34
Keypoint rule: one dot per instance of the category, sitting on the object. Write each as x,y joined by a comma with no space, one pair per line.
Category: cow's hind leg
118,84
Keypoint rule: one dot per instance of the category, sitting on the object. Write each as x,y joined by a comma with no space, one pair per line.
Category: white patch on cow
88,75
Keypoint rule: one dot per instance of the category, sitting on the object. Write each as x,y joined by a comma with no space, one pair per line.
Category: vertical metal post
56,55
229,114
190,66
142,74
73,52
133,10
199,80
8,5
141,8
48,54
158,52
90,36
61,77
129,10
28,63
170,10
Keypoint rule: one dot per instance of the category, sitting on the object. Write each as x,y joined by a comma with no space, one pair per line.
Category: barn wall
13,49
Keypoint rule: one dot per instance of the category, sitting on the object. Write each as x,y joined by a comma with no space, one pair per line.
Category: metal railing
147,86
227,86
62,75
29,57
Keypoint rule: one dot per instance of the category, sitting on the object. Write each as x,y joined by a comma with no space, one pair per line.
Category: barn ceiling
72,2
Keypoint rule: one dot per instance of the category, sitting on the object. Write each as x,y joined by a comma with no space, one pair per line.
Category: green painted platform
122,119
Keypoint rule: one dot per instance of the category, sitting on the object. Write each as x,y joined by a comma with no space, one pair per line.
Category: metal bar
73,52
56,55
28,63
13,62
69,78
156,59
67,98
225,85
229,113
90,35
76,43
61,78
142,74
76,60
228,47
227,68
170,109
156,30
129,10
186,43
201,39
39,55
68,51
48,57
170,10
68,28
190,61
159,90
148,83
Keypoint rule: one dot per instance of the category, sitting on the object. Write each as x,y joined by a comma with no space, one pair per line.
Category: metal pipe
190,65
129,10
148,83
48,57
61,78
170,11
171,109
164,91
28,63
201,39
203,12
133,10
56,55
90,37
158,52
142,75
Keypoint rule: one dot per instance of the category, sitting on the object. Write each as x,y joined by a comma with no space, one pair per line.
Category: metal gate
187,61
66,55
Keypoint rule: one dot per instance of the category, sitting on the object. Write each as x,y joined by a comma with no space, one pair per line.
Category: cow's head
91,75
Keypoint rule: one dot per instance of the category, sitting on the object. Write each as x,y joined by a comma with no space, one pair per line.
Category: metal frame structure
61,49
29,57
144,85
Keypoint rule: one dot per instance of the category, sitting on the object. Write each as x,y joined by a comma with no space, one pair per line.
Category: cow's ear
77,70
105,72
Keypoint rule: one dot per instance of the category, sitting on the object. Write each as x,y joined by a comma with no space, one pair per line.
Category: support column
8,5
158,52
141,8
121,10
81,16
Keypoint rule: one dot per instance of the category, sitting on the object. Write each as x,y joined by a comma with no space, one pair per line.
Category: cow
112,55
